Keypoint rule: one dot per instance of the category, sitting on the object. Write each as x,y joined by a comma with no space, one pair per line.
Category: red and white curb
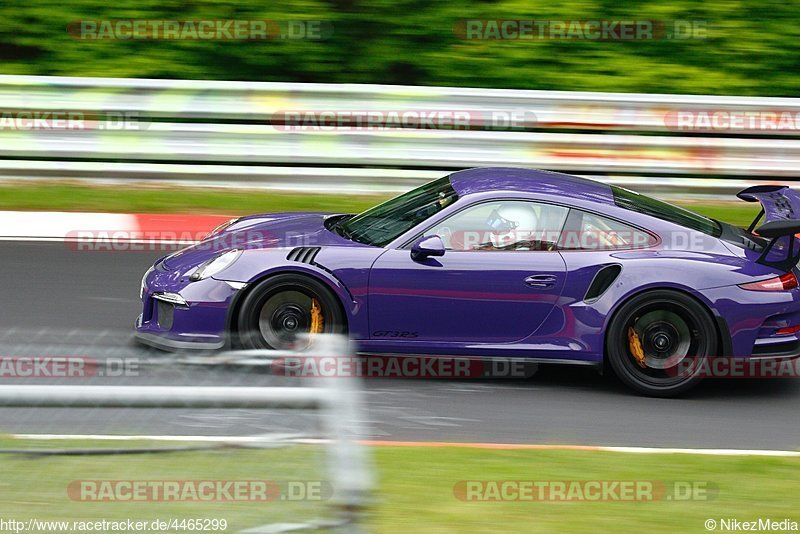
429,444
132,227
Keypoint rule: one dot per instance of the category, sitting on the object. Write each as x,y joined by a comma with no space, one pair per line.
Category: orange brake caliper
636,346
317,319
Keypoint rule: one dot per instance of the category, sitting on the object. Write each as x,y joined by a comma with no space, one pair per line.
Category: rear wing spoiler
778,202
774,231
781,206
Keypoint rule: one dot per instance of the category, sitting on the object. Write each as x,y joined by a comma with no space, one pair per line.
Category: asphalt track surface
59,301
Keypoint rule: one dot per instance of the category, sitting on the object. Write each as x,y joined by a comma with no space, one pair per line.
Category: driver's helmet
511,223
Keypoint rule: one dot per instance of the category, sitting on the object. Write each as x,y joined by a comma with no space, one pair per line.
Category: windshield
385,222
665,211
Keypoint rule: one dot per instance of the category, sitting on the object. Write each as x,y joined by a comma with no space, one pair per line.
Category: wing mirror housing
427,247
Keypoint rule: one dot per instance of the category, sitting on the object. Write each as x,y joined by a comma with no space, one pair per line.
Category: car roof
488,179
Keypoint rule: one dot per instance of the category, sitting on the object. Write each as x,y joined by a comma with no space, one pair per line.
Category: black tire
273,307
677,335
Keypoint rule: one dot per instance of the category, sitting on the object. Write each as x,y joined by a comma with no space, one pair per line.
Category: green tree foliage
751,48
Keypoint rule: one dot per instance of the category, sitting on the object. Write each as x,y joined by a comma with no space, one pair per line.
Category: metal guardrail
229,131
338,401
202,99
263,145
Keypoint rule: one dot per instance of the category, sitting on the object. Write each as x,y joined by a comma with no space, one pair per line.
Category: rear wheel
658,341
282,309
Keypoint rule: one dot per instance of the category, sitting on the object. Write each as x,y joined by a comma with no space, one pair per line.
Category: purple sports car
497,262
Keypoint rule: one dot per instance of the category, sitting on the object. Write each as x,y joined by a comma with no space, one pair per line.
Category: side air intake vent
303,254
602,281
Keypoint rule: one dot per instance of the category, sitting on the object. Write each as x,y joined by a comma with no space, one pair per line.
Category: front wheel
277,313
658,342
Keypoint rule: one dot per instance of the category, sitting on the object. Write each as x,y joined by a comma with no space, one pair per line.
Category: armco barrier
233,133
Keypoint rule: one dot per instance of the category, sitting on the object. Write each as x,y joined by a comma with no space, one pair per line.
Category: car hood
275,230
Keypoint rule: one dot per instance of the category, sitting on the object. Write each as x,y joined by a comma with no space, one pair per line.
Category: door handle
541,280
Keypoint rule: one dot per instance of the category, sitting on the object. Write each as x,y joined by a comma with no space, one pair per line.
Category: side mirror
426,247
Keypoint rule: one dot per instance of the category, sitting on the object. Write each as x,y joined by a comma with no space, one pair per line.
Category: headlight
215,265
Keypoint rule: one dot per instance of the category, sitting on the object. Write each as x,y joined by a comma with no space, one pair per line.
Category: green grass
415,487
44,196
38,487
737,213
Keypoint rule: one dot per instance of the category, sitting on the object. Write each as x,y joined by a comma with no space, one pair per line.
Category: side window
587,231
502,225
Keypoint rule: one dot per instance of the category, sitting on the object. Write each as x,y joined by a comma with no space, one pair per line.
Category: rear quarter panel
711,276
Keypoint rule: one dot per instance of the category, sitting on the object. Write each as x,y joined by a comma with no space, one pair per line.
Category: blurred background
685,101
751,48
653,95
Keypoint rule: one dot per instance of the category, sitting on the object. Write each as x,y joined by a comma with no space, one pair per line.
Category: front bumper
163,342
178,314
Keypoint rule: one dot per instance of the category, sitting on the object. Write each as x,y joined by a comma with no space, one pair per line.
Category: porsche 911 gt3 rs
497,262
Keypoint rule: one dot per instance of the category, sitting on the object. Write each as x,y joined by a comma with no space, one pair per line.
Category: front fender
255,266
